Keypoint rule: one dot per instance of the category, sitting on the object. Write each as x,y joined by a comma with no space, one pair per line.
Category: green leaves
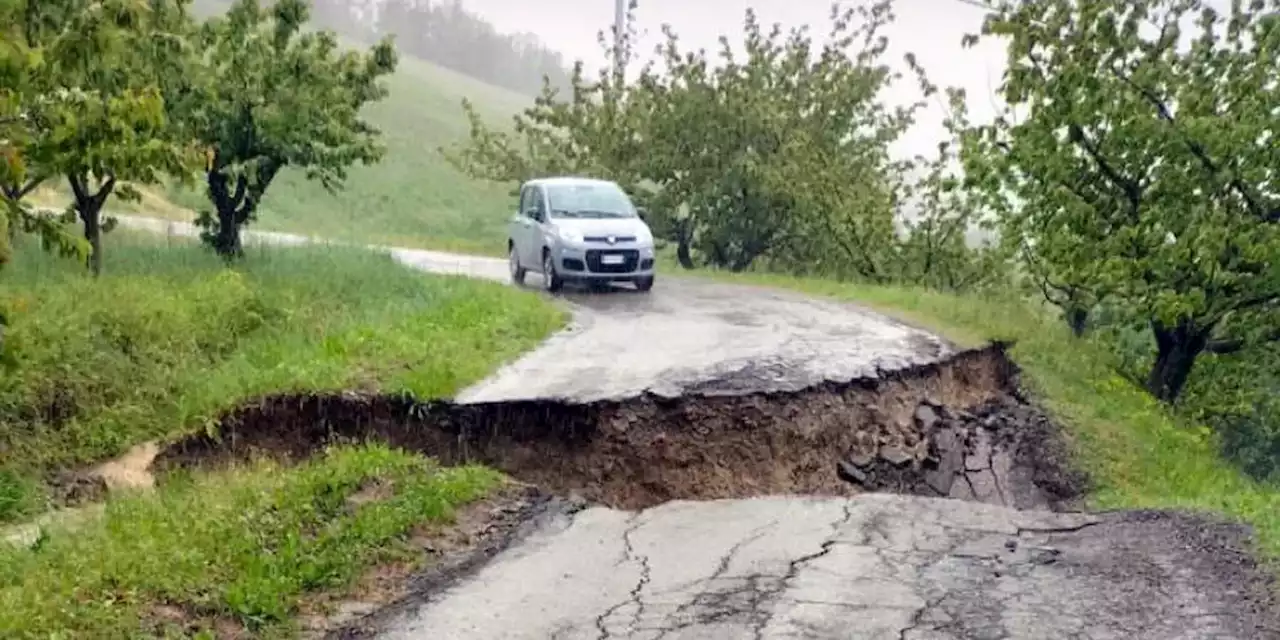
778,154
1143,172
275,96
81,101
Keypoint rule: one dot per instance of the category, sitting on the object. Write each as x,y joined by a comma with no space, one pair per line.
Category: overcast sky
930,28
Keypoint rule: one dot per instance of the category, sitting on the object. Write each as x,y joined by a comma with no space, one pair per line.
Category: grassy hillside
168,338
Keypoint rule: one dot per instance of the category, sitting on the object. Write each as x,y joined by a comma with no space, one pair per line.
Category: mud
952,428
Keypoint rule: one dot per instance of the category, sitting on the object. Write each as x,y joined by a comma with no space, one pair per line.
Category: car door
519,226
528,243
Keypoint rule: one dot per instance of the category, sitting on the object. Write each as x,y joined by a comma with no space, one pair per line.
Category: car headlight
572,236
645,236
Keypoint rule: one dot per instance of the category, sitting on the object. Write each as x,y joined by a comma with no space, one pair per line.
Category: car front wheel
517,272
550,279
645,283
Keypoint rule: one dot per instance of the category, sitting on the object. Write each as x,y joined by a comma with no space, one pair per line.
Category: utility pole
619,36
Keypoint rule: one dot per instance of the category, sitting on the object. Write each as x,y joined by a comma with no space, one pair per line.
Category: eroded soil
955,428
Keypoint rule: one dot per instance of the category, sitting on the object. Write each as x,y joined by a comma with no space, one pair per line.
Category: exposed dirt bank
955,428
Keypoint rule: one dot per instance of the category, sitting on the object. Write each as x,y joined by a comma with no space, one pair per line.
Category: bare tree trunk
89,208
1177,348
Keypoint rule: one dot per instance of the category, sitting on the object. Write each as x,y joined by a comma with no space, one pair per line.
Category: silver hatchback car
579,229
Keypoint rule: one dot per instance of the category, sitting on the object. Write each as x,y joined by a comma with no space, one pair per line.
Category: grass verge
216,556
1138,455
169,338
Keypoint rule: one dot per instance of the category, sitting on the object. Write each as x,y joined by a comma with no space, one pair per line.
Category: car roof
569,180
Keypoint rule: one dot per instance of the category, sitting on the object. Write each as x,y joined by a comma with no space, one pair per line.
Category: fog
932,29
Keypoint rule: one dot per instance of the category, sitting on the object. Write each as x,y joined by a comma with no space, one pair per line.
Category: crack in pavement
917,618
793,567
1023,530
629,555
723,567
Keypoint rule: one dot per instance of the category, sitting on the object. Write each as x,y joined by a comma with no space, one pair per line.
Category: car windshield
589,200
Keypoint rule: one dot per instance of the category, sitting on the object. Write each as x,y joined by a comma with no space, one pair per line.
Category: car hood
604,226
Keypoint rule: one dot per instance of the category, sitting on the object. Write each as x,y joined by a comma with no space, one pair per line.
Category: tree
788,159
277,96
1145,172
781,153
935,249
83,106
93,108
593,130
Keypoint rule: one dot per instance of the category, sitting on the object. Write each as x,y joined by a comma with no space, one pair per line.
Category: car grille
629,259
605,239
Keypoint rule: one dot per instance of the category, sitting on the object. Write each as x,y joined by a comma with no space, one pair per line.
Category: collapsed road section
955,428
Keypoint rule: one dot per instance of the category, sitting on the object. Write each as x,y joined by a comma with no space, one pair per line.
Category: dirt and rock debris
955,428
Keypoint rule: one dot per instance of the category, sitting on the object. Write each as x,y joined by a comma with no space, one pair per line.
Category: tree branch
18,193
1198,150
1132,190
1227,346
77,188
105,190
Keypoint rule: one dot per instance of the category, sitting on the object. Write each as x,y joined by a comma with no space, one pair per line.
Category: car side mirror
642,213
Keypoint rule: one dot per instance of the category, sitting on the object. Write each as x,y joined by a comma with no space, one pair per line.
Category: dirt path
868,566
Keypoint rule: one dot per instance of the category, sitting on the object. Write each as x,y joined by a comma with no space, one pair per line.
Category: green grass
237,550
168,339
1138,454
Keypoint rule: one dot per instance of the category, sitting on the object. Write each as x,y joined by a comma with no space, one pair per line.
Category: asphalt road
873,567
690,335
892,567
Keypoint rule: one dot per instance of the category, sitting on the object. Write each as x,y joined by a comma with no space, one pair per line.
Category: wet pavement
685,335
688,336
691,336
872,566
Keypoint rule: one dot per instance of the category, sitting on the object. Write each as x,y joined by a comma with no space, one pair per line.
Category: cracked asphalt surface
872,566
876,566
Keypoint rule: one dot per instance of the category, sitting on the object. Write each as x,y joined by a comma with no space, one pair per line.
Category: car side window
538,202
525,200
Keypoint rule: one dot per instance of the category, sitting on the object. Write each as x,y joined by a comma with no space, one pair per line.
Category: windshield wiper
603,214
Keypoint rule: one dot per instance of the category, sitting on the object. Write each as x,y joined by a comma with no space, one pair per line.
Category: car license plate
613,259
